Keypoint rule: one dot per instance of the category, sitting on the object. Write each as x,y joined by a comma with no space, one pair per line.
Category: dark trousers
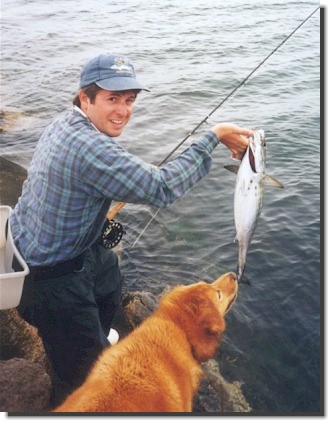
73,314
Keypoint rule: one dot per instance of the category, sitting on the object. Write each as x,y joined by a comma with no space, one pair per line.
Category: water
191,54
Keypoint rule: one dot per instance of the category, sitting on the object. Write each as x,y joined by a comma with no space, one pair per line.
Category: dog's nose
233,276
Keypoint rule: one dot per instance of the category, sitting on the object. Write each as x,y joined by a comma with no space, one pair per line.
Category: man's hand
234,137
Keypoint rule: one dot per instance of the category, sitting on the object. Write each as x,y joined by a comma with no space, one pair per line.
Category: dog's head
199,309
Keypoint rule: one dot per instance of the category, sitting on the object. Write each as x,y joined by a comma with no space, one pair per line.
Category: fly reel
112,234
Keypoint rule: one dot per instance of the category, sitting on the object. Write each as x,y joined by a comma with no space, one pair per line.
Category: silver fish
249,192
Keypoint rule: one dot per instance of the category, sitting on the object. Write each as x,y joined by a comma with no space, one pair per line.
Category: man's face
110,111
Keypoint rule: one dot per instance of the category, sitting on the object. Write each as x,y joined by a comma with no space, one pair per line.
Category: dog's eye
219,294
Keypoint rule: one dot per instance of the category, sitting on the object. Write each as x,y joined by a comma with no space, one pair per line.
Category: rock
14,119
121,323
138,306
19,339
218,395
12,177
24,385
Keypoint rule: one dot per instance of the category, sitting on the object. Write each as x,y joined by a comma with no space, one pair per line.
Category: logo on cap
122,66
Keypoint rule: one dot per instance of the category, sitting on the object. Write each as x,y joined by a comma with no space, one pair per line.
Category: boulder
138,306
19,339
216,395
12,177
24,386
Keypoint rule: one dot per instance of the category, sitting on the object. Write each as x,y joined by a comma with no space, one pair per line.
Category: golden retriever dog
156,368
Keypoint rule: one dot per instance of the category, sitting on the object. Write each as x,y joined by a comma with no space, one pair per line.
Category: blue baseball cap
113,72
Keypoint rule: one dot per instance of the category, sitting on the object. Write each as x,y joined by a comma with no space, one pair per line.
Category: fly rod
118,207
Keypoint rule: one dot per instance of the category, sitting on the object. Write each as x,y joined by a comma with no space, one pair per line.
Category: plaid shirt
74,175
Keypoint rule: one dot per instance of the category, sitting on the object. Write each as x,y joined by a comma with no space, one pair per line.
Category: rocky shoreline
24,380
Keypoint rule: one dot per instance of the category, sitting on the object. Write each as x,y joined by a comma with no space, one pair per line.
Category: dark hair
90,90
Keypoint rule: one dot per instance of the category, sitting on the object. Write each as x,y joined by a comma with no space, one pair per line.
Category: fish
249,192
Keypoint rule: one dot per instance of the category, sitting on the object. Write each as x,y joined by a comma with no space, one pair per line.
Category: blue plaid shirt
74,175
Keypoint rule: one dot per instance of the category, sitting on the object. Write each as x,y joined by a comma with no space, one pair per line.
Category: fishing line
145,227
237,88
231,93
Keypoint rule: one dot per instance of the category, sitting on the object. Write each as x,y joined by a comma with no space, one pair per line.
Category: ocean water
191,54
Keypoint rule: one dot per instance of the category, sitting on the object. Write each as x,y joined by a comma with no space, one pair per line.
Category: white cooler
11,282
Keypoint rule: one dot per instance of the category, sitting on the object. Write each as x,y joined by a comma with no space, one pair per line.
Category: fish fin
270,181
232,167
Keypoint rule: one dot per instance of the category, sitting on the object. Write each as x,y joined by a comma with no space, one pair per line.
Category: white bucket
11,282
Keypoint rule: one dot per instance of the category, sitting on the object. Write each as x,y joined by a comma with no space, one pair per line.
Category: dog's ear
199,317
215,328
207,337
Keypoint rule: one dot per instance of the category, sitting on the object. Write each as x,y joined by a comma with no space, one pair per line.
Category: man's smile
116,122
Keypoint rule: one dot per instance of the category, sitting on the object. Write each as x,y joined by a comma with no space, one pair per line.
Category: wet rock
24,385
218,395
138,306
14,119
12,177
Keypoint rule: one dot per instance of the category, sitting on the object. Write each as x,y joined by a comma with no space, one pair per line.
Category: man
77,170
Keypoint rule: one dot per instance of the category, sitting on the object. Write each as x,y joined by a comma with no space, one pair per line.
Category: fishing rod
114,230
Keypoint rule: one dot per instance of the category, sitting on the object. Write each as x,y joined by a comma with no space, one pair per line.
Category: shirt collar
79,110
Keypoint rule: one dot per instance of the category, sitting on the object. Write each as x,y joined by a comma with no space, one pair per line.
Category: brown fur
156,368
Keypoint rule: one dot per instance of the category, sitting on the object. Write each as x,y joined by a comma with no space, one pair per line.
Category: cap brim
121,83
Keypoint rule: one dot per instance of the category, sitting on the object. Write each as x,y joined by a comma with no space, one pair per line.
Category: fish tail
241,260
240,271
241,265
241,278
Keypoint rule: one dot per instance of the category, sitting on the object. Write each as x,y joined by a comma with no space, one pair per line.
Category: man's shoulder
73,118
75,129
69,122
